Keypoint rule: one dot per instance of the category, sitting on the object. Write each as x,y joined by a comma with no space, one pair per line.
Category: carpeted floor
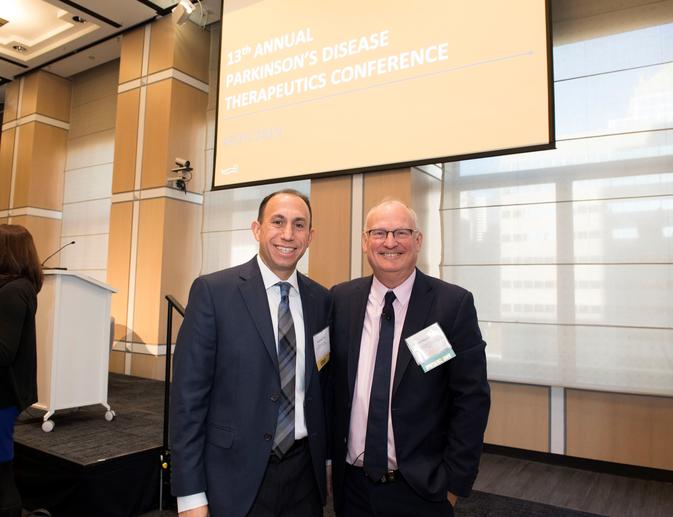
479,504
83,435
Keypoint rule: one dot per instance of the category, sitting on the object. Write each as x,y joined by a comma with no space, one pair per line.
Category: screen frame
551,144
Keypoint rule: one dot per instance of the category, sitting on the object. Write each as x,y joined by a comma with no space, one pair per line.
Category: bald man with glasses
409,395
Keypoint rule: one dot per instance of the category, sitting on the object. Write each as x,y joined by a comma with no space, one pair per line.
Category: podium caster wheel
109,415
48,426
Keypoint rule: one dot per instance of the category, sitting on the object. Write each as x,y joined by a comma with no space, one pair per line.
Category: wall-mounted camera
180,175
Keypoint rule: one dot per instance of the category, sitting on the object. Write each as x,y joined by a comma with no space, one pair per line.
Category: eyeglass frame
368,233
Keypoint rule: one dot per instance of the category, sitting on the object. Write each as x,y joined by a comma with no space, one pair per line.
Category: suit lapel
254,296
358,303
309,313
422,296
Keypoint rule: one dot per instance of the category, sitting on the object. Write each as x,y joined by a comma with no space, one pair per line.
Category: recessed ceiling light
19,48
79,19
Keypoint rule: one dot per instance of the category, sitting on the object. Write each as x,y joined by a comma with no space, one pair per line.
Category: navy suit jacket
224,397
438,417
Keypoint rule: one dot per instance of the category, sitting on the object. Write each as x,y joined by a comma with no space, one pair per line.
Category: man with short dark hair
247,419
410,398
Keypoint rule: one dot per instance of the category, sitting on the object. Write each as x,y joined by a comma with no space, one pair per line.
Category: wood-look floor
594,492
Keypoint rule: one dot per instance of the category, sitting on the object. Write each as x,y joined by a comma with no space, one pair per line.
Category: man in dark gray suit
248,430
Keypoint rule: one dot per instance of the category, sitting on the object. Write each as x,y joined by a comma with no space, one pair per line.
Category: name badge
321,347
430,348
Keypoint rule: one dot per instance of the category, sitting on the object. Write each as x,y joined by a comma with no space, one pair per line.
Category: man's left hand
452,498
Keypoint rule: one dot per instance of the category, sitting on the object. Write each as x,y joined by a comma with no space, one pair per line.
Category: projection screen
312,87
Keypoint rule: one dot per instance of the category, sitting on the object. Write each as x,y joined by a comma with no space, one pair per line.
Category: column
32,156
154,245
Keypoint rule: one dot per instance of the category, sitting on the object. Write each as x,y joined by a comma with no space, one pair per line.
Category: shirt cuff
189,502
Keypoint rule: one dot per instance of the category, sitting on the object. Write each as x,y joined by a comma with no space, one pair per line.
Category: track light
184,8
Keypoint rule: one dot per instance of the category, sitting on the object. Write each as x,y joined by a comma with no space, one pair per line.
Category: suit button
275,397
308,399
267,436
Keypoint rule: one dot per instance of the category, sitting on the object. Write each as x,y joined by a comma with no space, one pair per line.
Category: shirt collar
402,291
270,278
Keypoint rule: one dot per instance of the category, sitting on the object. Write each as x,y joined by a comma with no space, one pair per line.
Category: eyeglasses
399,234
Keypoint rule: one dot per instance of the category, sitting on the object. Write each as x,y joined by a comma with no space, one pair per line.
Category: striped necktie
287,353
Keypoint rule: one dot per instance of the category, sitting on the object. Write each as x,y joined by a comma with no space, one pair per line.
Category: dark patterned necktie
287,353
376,441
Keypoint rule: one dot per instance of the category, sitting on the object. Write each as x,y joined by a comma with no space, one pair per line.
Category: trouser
10,500
289,487
394,498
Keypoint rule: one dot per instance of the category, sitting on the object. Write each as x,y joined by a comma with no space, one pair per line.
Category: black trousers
364,498
10,501
289,487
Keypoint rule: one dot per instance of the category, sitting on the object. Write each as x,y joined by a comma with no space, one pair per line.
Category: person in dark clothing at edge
20,281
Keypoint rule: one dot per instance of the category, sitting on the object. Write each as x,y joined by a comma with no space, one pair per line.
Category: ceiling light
78,19
19,48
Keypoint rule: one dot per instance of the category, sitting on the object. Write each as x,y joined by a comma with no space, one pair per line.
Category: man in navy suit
247,419
407,437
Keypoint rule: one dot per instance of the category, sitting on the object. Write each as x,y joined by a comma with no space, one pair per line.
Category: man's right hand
201,511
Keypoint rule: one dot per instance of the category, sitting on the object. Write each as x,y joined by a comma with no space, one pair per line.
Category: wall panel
94,116
39,175
6,158
181,260
620,428
187,137
330,258
95,84
148,366
94,182
158,115
126,137
45,233
54,96
180,47
90,150
130,64
119,262
46,94
148,304
11,102
519,416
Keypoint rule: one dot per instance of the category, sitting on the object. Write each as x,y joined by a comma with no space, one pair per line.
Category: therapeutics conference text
330,54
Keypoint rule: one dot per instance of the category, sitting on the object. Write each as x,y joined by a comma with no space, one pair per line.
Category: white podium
73,343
